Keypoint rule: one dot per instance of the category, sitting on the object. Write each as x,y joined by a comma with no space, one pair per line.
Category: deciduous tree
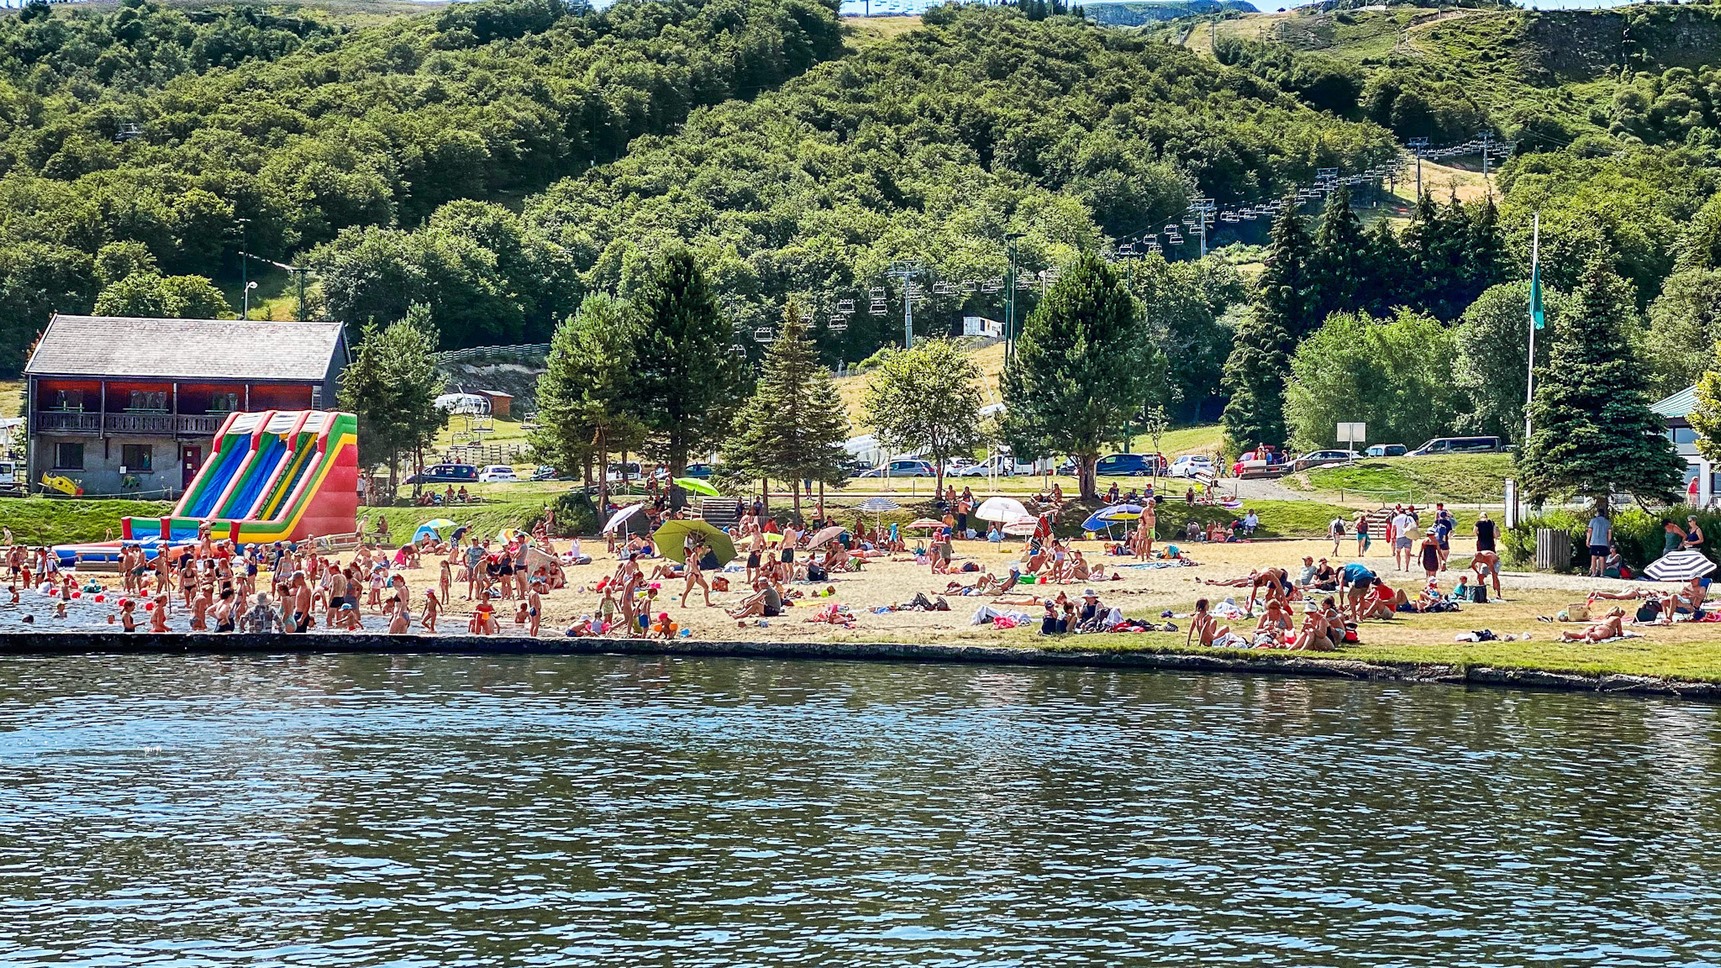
926,400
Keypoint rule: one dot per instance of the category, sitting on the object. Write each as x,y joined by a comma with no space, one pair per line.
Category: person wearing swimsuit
224,612
403,607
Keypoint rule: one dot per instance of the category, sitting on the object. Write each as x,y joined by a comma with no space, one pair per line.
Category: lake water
364,810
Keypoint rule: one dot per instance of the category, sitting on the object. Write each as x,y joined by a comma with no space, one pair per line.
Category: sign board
1352,433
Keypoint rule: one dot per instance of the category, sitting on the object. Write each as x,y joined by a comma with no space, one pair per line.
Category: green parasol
670,538
694,485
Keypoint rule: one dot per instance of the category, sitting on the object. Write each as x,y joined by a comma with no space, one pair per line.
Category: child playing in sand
663,628
432,604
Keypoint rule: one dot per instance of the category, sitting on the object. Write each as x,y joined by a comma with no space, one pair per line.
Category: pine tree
1339,265
1423,265
689,383
1286,289
1384,285
391,387
1484,250
793,426
1592,430
1283,312
1254,379
1082,367
586,409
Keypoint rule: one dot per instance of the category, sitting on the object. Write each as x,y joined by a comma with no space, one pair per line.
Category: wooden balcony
71,422
68,422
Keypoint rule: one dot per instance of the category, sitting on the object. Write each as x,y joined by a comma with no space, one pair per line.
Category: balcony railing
200,425
128,424
68,422
154,424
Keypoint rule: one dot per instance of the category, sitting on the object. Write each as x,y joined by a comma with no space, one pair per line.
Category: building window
137,458
316,398
68,457
1684,435
68,399
223,402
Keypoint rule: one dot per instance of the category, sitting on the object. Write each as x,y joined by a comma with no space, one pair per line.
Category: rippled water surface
612,811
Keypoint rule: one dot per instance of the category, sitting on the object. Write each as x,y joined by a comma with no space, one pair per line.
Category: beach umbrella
694,485
620,517
1022,527
1096,523
824,535
1679,566
1119,512
1001,509
920,523
879,505
670,538
510,534
432,529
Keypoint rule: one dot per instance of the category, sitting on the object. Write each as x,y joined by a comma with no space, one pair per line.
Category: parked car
1386,450
1129,465
1318,458
544,472
1458,445
497,474
1192,465
446,474
903,468
9,483
618,472
700,471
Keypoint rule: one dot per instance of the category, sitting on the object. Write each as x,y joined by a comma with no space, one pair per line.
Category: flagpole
1535,282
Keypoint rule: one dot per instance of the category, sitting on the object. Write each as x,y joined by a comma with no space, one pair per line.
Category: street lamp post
244,274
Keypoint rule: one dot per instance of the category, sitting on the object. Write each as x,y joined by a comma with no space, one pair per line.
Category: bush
576,514
1637,532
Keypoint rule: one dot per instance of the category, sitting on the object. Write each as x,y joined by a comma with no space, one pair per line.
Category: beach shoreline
1168,659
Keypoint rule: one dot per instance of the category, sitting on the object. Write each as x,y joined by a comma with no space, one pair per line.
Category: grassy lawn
1458,477
1662,653
42,520
864,32
11,398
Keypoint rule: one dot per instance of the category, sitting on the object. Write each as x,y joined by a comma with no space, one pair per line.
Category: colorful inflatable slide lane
277,475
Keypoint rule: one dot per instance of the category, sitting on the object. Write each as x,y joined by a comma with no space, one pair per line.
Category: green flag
1538,318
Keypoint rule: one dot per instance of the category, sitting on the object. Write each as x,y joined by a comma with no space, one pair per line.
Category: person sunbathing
1608,628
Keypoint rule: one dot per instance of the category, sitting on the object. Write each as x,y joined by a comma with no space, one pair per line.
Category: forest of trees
496,163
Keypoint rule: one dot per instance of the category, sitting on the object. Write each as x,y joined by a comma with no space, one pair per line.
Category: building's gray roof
185,349
1678,406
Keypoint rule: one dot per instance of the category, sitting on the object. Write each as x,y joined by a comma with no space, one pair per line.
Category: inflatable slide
273,476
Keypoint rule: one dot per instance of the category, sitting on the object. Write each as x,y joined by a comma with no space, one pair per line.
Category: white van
9,483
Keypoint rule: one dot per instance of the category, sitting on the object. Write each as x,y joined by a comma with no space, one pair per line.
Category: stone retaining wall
180,643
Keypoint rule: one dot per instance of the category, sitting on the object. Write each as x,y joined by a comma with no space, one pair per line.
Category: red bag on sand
1003,622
